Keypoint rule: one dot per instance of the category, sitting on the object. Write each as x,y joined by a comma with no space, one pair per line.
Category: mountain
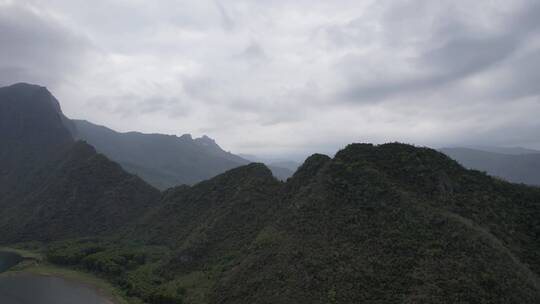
390,223
164,160
32,134
507,150
58,188
514,166
376,224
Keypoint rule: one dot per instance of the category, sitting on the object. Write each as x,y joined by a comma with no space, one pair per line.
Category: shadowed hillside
58,188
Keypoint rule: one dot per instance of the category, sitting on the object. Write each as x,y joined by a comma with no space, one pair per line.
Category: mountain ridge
54,184
164,160
390,223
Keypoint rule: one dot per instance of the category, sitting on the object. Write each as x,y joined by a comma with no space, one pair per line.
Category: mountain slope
163,160
213,221
84,194
376,224
393,224
518,168
31,135
59,188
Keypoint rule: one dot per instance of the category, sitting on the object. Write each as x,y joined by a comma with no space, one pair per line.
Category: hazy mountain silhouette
273,162
507,150
513,164
164,160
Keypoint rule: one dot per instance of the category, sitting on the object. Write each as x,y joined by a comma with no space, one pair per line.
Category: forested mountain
515,165
391,223
164,160
52,186
375,224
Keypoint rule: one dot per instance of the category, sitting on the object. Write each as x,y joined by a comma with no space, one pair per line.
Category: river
26,288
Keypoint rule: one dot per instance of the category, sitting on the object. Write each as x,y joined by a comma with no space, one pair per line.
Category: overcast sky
287,77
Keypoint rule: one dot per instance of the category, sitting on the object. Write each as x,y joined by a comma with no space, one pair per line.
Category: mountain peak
252,170
30,116
312,164
25,86
207,142
186,136
27,93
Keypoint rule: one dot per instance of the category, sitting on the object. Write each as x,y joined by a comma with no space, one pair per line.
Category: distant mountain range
281,168
163,160
388,223
516,165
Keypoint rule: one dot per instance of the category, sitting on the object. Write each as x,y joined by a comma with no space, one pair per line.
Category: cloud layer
279,77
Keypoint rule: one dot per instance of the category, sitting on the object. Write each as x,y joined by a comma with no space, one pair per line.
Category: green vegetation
375,224
378,224
25,252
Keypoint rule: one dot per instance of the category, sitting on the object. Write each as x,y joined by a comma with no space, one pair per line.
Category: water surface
36,289
26,288
8,260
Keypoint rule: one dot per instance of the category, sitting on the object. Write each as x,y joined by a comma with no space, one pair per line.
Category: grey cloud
226,21
254,50
286,76
514,134
454,61
13,74
521,79
349,34
36,49
130,105
253,54
462,55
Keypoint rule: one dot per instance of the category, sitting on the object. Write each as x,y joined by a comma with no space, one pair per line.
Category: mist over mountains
164,160
516,165
161,160
390,223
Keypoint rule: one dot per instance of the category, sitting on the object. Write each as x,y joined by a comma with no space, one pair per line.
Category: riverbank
25,254
35,263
